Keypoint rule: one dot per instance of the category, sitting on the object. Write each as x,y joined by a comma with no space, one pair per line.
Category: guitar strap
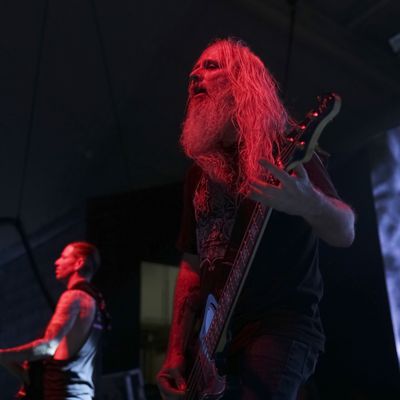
241,225
92,291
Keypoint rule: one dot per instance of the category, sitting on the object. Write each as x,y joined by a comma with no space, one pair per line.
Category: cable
17,221
111,92
33,108
17,224
293,8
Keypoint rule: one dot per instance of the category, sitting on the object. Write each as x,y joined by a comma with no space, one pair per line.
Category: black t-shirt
284,285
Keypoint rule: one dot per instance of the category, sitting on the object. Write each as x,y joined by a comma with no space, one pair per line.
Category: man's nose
195,77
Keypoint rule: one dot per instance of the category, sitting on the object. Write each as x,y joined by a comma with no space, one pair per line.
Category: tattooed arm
170,380
66,313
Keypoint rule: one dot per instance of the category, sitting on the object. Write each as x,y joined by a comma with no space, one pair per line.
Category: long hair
258,115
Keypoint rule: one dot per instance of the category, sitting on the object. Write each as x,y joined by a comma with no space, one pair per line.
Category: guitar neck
300,144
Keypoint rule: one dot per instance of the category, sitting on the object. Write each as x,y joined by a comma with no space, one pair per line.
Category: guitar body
209,384
214,383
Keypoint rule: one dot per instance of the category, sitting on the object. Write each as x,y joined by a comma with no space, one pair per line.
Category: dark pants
271,368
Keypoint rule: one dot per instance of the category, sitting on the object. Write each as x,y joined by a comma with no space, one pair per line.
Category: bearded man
234,131
62,363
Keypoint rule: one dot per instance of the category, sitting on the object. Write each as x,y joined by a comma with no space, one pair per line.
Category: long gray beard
203,131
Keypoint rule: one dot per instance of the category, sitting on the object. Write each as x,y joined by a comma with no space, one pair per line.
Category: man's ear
79,263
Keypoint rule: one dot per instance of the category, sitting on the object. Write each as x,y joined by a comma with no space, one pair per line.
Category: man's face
68,263
208,77
210,106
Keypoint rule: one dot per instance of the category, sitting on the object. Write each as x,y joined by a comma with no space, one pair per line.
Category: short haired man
63,361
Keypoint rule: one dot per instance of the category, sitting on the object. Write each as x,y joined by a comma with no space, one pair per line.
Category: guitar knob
301,145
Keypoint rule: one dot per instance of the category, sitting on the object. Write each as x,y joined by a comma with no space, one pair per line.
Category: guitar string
193,384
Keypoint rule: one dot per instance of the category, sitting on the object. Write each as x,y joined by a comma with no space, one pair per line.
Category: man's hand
170,381
294,195
331,219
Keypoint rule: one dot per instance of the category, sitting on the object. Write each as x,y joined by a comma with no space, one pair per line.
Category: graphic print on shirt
215,211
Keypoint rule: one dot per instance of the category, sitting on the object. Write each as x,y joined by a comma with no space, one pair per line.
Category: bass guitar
203,381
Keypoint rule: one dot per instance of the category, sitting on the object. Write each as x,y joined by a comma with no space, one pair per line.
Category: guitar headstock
304,138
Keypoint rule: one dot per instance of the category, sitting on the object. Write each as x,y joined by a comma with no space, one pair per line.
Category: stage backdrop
385,156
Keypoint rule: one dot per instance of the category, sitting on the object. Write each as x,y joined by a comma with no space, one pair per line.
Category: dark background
92,96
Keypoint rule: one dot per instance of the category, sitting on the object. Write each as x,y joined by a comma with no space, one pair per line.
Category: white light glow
386,190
